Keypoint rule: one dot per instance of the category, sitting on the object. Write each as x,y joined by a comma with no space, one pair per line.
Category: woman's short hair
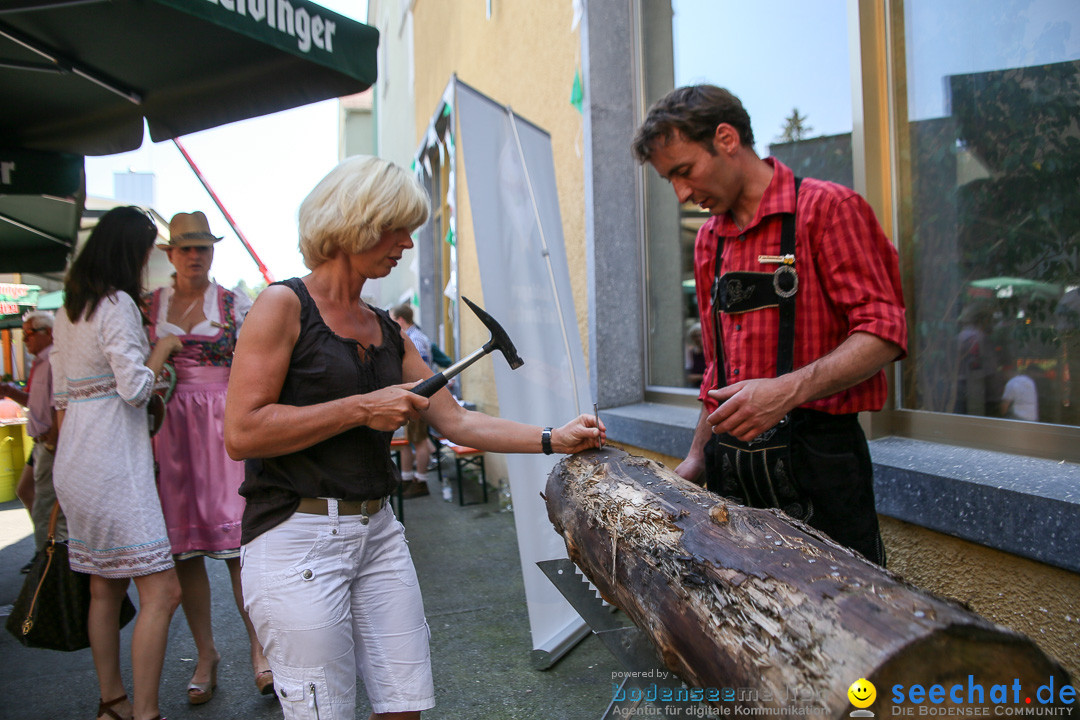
354,204
111,261
694,112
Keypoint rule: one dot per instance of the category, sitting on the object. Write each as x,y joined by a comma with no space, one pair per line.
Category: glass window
789,64
989,214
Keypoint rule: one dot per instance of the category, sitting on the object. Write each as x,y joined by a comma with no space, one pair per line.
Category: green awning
41,202
80,77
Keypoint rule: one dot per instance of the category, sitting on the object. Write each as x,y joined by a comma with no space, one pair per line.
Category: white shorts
330,598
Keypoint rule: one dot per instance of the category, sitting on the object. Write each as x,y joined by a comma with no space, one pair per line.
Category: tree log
748,599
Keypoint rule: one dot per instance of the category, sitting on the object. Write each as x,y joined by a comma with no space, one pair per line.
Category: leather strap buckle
785,270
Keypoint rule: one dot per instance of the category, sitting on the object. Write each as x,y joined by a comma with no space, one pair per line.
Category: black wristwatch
545,441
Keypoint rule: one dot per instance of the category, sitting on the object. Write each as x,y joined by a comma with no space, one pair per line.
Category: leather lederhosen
832,489
758,473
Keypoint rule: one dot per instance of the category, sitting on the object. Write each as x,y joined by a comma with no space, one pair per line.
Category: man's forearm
19,396
693,466
859,357
702,433
751,407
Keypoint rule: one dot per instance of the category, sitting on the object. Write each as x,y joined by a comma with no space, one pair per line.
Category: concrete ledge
665,429
1024,506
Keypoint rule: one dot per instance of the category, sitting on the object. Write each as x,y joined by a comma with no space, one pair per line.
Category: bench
466,457
395,450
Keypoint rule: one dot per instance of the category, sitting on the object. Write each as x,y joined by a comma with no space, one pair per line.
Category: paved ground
467,559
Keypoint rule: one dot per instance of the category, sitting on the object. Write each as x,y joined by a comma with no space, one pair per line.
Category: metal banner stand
630,646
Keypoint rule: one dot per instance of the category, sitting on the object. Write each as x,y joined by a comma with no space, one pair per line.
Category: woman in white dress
103,376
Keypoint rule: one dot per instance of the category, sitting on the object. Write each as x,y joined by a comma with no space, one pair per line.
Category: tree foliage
795,128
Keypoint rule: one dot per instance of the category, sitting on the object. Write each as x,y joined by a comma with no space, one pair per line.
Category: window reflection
990,208
798,94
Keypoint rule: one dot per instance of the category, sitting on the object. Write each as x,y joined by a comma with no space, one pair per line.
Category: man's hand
581,433
14,392
751,407
692,469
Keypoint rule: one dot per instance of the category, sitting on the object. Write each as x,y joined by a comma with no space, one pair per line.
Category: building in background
359,136
135,188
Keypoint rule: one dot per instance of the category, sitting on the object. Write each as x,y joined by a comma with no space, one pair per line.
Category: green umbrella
1006,287
41,201
81,76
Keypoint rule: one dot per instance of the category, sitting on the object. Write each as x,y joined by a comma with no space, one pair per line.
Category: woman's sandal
264,680
199,693
105,708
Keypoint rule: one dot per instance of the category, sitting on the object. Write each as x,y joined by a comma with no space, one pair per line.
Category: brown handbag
53,608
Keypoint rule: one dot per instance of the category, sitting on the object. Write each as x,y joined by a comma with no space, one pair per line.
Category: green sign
15,298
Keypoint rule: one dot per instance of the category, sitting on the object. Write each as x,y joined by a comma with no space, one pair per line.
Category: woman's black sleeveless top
354,465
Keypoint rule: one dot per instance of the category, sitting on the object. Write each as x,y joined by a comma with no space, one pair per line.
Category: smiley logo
862,693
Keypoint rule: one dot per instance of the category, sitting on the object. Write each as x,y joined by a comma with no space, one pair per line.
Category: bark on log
735,597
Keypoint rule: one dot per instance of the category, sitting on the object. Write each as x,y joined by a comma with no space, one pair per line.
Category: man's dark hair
403,311
694,112
112,261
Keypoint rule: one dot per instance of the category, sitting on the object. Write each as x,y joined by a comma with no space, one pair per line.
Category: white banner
510,173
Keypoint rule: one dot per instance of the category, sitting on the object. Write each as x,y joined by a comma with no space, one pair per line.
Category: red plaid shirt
849,280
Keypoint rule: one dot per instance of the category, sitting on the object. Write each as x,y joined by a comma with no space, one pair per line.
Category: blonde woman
320,383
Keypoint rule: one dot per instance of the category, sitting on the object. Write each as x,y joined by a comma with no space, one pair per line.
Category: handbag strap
28,622
53,517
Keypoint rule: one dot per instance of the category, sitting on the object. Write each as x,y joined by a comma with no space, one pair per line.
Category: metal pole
228,218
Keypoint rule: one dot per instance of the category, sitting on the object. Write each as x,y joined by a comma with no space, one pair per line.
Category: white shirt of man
1022,398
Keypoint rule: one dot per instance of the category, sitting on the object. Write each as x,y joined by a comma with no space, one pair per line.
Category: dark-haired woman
103,376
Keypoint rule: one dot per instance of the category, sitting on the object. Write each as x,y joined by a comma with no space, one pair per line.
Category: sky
261,169
740,46
728,44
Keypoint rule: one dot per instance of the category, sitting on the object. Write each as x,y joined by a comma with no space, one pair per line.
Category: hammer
499,341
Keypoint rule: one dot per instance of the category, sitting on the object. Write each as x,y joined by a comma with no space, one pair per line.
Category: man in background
417,454
40,425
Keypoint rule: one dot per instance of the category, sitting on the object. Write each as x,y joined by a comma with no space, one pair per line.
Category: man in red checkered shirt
802,287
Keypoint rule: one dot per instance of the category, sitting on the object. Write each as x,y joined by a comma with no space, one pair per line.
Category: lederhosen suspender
758,472
738,292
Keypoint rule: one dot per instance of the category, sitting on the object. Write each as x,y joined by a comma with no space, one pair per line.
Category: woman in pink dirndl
197,481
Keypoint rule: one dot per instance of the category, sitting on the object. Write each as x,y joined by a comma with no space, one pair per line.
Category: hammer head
499,339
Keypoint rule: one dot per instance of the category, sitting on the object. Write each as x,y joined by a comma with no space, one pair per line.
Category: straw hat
188,230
